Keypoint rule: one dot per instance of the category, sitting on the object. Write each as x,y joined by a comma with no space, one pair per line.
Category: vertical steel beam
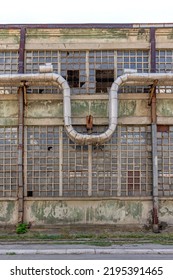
119,160
20,155
21,130
154,136
22,50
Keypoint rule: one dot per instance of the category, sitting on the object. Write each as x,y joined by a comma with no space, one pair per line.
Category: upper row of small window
102,59
88,71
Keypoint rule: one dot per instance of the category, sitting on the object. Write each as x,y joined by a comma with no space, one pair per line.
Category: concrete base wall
8,212
114,212
93,212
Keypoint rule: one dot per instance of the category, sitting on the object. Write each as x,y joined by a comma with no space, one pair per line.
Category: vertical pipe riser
21,131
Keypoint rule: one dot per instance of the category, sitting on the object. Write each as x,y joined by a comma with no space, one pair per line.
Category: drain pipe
154,160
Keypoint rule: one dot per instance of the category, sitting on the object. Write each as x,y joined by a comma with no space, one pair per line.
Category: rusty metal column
154,135
21,130
20,155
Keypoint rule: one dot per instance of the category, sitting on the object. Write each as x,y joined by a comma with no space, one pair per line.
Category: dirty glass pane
164,63
137,60
8,65
165,160
8,161
42,160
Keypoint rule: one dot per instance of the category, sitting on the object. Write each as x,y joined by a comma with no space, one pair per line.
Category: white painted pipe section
58,81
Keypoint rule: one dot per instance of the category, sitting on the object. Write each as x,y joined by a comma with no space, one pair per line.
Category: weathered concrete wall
89,38
166,211
9,39
8,110
131,109
8,212
117,212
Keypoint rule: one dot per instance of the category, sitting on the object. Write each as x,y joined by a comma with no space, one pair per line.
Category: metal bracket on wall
89,122
151,91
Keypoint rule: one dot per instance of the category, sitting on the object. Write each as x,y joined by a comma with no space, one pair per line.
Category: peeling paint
44,108
7,211
82,212
10,35
165,108
8,109
126,108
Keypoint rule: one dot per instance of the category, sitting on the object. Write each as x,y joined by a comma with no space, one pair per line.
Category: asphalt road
89,257
29,251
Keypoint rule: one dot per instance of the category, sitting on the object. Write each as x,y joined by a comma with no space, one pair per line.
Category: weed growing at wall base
21,228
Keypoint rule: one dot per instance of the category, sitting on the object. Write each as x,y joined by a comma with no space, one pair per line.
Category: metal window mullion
140,162
90,169
47,164
3,160
111,170
25,160
59,62
60,160
169,143
127,150
68,163
119,160
115,64
39,172
133,156
87,71
10,163
148,170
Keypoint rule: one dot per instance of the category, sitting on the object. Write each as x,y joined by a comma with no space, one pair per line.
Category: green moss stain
8,109
165,108
134,209
43,109
80,108
6,211
56,212
64,212
99,108
170,35
90,214
126,108
5,34
72,33
38,33
94,33
143,34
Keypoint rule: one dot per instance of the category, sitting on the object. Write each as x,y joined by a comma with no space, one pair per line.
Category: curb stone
84,251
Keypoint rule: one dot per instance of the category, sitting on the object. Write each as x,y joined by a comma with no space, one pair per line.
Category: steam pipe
59,81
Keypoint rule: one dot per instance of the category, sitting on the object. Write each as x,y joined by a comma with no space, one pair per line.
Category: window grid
8,161
43,161
136,161
103,61
8,65
133,59
74,62
105,167
165,162
75,167
36,58
164,64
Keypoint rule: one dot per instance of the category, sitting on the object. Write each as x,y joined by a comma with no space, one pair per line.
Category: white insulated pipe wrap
46,77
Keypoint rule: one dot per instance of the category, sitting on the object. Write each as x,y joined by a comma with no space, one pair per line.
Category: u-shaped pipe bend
58,81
